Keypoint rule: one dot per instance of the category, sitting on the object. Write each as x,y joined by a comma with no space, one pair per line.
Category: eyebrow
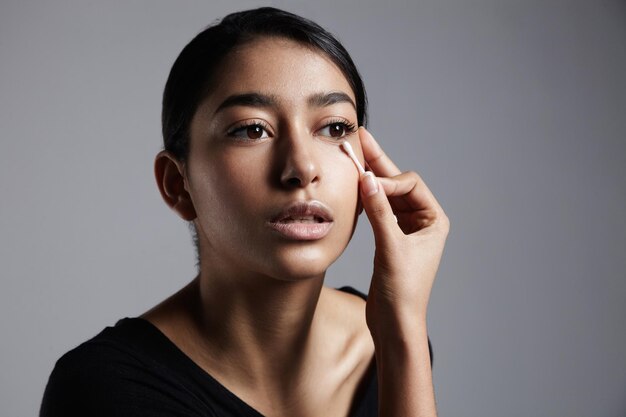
327,99
264,100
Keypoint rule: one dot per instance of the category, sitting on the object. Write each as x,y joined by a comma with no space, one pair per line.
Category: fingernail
369,184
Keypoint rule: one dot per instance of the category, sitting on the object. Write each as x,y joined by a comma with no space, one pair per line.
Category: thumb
377,208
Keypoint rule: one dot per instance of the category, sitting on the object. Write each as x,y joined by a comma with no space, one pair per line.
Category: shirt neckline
173,349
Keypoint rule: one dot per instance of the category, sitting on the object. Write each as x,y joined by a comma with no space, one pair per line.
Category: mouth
311,219
304,212
303,220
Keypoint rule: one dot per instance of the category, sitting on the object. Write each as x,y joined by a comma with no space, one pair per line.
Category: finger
378,210
412,190
375,157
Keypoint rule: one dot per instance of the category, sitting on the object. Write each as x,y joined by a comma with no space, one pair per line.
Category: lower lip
302,231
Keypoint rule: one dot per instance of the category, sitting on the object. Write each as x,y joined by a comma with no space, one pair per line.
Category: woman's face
251,156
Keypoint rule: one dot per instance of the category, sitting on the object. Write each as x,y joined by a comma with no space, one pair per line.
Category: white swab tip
348,148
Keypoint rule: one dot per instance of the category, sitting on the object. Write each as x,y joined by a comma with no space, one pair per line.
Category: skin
258,317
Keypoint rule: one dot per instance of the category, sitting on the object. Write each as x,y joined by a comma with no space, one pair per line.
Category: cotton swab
346,147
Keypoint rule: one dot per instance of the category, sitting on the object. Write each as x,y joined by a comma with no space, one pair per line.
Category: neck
259,326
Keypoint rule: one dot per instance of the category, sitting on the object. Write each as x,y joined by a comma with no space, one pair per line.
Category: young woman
254,111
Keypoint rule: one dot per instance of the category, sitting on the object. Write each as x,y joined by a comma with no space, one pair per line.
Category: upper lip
304,208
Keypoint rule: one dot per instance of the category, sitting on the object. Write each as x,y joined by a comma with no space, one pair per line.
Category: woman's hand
405,264
408,251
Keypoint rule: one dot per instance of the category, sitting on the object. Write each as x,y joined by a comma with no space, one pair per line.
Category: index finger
375,157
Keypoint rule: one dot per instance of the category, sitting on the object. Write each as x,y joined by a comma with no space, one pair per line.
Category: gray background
514,112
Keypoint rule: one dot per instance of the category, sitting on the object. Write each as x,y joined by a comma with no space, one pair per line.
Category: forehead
279,67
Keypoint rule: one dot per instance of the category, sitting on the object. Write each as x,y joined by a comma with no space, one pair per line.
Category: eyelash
349,128
233,132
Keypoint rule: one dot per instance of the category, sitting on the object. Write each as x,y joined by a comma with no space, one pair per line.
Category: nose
300,166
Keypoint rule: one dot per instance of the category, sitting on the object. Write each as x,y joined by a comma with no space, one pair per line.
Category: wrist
388,319
400,334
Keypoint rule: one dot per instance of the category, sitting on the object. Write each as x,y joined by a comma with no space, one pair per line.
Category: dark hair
190,79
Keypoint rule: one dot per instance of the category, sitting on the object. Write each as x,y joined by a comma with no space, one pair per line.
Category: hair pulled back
191,75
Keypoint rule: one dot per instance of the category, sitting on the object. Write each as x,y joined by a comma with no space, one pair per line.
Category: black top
133,369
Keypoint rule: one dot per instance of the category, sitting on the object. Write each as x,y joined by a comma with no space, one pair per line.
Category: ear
170,177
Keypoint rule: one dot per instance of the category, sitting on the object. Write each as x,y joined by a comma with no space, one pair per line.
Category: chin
298,264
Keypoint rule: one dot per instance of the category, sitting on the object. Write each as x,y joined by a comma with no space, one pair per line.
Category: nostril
295,177
293,181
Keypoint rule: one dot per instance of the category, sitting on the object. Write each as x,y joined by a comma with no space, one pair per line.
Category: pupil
255,132
336,128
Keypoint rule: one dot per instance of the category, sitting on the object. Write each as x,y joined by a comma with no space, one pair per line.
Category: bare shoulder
348,311
171,315
349,306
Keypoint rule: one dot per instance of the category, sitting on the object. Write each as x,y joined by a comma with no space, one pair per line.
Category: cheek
223,187
342,172
342,179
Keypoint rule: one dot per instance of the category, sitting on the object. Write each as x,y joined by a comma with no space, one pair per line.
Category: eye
249,131
337,129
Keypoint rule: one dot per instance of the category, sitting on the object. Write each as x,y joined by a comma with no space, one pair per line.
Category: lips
304,212
303,220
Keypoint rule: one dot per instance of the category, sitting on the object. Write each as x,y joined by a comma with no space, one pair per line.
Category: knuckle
378,157
444,222
378,210
413,176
